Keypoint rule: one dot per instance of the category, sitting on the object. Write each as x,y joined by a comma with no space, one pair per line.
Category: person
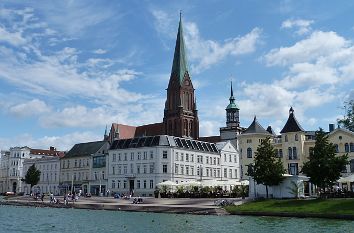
51,200
42,197
65,199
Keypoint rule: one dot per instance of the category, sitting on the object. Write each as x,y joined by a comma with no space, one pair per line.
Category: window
125,157
119,157
145,168
139,155
290,152
187,157
236,173
337,148
351,147
119,170
311,151
151,184
230,173
225,172
176,168
192,171
235,159
176,157
225,158
131,168
151,154
164,154
138,169
182,157
352,165
125,184
113,184
249,152
114,157
346,147
187,170
151,168
201,159
145,155
293,169
99,161
192,158
138,184
164,168
280,153
286,138
230,160
144,184
132,156
296,137
125,169
118,184
113,170
294,153
182,169
249,140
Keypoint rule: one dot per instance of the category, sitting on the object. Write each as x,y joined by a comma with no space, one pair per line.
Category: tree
348,120
267,168
32,176
323,166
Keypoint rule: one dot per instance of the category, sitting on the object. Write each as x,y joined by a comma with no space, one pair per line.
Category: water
29,219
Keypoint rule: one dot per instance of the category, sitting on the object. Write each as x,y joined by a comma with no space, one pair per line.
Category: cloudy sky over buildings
69,68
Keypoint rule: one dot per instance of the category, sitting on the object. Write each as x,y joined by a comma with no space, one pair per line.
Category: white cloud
14,38
205,53
33,107
63,142
317,46
100,51
163,23
302,26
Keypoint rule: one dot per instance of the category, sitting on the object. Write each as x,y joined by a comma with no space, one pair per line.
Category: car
9,193
88,195
116,195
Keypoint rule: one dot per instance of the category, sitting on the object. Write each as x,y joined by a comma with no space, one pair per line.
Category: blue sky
69,68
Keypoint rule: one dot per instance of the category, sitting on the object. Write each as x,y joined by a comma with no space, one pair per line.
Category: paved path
203,206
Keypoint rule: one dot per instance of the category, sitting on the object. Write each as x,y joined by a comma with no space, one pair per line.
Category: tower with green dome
232,112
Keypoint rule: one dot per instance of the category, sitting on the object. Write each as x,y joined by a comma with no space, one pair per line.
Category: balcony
130,175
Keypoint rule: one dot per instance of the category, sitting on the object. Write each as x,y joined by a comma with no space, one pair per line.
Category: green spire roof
232,104
180,65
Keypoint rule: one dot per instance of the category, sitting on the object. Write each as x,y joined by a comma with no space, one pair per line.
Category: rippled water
29,219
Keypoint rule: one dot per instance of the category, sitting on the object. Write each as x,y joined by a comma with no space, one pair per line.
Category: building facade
49,178
84,167
137,165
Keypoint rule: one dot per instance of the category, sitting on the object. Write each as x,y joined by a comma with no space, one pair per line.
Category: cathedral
180,113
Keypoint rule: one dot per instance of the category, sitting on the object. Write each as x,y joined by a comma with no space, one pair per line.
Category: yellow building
293,145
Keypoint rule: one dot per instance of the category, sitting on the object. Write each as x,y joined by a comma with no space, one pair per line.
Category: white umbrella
166,183
346,179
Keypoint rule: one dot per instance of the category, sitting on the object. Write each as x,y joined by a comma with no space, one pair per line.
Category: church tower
232,129
180,114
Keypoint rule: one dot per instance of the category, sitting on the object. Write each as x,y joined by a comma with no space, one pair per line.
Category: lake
30,219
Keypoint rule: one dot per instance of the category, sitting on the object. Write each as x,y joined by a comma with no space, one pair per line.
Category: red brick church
180,113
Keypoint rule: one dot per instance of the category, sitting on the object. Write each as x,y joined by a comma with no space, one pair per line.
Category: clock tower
180,114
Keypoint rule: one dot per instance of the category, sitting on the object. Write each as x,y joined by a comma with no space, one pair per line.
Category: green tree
267,168
32,176
348,120
323,166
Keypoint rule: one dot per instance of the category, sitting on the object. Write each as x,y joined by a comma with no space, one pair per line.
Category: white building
137,165
49,178
12,166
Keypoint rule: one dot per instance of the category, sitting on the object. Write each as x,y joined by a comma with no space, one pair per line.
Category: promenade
201,206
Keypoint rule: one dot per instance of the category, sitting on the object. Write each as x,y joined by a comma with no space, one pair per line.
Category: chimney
331,127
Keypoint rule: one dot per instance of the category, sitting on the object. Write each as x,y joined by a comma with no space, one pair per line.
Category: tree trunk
267,190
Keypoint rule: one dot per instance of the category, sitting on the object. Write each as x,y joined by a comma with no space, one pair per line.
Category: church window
346,146
249,152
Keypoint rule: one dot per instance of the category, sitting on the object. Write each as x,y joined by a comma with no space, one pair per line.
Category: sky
69,68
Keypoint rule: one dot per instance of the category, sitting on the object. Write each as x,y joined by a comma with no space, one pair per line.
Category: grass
313,206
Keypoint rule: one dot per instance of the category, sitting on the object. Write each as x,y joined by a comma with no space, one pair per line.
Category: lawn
314,206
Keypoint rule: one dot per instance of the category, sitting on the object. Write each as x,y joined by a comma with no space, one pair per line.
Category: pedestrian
65,199
42,197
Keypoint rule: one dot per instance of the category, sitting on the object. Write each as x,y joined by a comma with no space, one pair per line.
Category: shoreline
175,206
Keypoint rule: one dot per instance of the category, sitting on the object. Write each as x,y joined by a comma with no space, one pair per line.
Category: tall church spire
181,114
180,64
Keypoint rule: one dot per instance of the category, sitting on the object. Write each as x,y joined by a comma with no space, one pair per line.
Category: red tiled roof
149,130
128,131
46,152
